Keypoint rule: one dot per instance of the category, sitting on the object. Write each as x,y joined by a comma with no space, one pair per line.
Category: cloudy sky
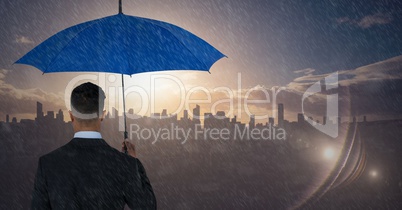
281,43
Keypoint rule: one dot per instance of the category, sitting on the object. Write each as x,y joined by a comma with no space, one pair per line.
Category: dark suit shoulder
85,148
56,152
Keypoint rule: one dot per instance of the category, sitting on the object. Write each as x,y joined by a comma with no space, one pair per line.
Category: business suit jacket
89,174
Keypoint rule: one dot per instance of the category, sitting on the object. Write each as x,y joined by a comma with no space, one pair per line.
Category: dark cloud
367,21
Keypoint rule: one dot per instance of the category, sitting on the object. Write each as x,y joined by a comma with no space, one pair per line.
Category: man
87,173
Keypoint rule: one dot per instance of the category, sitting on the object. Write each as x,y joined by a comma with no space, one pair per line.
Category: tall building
234,119
50,114
271,121
39,111
196,114
220,114
300,118
251,124
60,116
7,119
164,113
185,114
281,115
115,113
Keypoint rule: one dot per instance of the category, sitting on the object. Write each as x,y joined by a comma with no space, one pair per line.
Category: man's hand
130,148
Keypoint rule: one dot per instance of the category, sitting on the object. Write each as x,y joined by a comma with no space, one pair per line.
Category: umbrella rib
75,36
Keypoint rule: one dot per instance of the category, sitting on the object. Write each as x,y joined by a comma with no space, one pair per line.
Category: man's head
87,103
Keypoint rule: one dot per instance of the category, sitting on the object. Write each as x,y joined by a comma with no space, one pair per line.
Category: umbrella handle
125,137
125,149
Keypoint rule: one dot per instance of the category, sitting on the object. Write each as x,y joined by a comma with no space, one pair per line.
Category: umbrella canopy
122,44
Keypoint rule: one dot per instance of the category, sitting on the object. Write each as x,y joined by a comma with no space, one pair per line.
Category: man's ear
103,115
71,116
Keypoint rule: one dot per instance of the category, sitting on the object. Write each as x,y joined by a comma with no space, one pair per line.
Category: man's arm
138,191
40,196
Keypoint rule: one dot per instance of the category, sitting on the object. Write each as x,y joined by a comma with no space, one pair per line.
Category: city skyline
50,115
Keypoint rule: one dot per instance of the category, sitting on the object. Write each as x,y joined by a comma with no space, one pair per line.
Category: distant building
220,114
7,119
324,120
271,121
50,114
234,119
251,124
39,111
164,113
216,121
14,120
60,116
300,118
185,115
196,114
281,115
115,113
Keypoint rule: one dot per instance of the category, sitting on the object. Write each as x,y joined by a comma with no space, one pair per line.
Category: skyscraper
7,119
164,113
251,124
185,115
300,118
60,116
196,114
39,111
281,115
115,113
271,121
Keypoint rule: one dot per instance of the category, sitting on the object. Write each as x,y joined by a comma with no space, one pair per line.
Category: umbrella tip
120,9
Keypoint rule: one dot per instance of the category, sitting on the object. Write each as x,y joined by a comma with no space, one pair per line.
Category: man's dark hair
87,101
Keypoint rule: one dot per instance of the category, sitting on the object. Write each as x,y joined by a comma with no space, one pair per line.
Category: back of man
87,173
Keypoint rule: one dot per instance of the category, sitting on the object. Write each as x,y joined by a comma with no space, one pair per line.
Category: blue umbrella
122,44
